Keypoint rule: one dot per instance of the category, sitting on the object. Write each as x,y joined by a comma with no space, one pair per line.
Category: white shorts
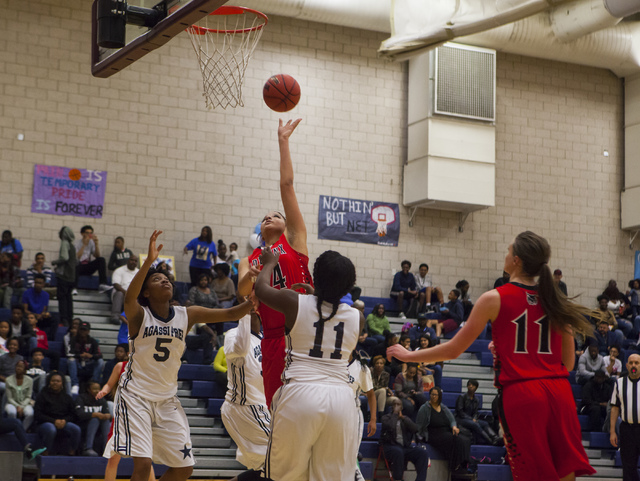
312,433
249,427
155,430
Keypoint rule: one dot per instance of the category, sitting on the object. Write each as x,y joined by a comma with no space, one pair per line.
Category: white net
224,42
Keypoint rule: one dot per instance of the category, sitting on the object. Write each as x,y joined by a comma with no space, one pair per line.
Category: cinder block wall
176,166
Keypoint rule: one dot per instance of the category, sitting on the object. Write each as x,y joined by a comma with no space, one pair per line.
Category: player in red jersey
532,326
286,235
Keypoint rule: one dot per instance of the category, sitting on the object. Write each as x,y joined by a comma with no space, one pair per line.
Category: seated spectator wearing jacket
19,389
434,369
378,324
40,267
589,362
93,416
8,363
438,427
397,435
35,300
120,254
381,388
607,338
12,246
404,288
55,414
408,387
42,342
450,316
36,370
10,280
467,407
21,330
421,329
596,394
120,354
87,362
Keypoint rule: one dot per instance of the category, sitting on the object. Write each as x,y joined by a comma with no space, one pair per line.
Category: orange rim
227,10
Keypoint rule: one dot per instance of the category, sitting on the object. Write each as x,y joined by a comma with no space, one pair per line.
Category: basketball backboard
173,16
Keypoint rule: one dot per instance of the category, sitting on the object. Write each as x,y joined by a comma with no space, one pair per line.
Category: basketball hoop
224,42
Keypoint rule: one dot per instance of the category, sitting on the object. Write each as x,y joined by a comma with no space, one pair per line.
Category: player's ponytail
534,252
333,277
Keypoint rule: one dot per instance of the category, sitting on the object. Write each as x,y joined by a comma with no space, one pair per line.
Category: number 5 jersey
526,345
154,359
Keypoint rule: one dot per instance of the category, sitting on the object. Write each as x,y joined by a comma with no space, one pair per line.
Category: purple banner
65,191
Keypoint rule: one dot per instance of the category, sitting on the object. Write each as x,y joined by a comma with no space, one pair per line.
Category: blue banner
354,220
636,267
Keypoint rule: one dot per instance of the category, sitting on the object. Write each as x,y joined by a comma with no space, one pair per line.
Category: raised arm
113,380
246,277
283,300
296,230
199,314
132,309
485,310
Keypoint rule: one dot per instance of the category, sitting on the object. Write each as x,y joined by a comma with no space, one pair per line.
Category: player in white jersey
244,412
313,424
150,424
361,382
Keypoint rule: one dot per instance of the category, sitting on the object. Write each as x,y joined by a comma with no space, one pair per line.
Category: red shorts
272,365
542,432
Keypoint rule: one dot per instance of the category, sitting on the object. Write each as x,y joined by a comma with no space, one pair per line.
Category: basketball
281,92
75,174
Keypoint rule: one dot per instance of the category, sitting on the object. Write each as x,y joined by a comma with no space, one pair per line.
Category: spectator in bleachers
223,286
204,251
13,247
69,337
590,362
607,338
42,342
36,370
55,414
463,287
608,316
8,363
120,254
404,288
120,280
87,362
220,368
408,387
557,278
39,267
434,369
19,389
427,293
634,298
613,363
35,300
5,333
378,324
121,353
93,416
202,294
421,329
233,257
10,280
397,435
65,266
89,258
365,342
21,330
8,425
501,281
596,394
438,427
467,407
202,337
450,316
381,387
222,253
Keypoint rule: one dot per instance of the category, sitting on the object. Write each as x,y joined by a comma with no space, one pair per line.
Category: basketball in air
281,92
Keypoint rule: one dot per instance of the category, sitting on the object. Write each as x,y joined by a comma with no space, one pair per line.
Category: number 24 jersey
526,345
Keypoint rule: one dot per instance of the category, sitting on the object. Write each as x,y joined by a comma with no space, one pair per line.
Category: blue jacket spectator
204,251
404,287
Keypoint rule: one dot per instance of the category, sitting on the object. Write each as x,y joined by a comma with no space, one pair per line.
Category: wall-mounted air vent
465,82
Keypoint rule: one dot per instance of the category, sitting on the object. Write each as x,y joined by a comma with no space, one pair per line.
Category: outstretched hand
154,251
285,130
397,351
268,258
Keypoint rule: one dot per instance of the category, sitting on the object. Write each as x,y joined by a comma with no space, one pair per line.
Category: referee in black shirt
625,401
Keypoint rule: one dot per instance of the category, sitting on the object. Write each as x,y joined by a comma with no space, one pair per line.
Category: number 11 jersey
154,355
526,345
